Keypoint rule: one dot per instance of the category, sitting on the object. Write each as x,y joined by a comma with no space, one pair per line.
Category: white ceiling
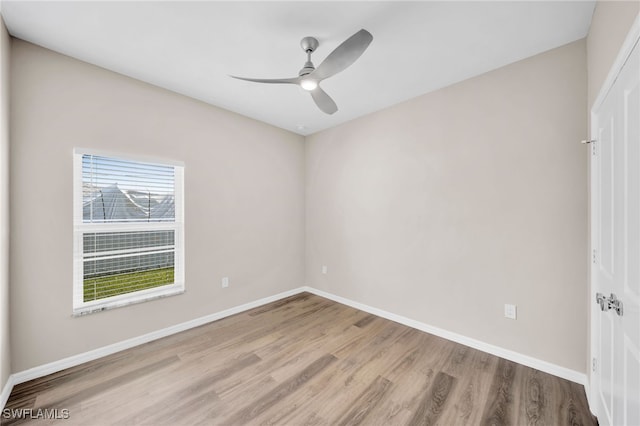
192,47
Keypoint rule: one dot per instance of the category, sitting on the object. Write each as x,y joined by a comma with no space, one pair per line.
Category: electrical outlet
225,282
510,311
324,269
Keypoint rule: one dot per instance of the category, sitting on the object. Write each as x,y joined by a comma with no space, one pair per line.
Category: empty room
320,212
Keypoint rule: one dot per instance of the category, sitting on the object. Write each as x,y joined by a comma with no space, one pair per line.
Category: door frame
633,38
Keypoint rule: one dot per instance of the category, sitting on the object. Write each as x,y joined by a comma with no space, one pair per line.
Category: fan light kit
308,84
309,77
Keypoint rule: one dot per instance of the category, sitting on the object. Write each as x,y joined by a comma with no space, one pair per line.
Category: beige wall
445,207
609,26
244,183
5,359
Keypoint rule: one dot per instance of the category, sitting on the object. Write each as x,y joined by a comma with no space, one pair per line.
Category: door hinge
593,147
592,142
594,364
594,256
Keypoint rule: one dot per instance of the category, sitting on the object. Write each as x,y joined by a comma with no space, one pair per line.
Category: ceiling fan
309,77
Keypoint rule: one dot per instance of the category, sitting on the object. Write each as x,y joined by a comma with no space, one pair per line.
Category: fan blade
344,55
295,80
324,101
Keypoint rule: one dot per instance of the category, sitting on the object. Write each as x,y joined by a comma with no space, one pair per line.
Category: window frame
80,307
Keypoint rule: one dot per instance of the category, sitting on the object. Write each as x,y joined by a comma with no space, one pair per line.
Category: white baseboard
538,364
53,367
6,391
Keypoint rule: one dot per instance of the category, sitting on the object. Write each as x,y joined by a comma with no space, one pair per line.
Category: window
128,231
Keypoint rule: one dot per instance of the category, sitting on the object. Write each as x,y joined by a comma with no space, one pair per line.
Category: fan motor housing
307,69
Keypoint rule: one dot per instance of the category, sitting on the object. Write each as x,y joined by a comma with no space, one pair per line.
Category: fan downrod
308,44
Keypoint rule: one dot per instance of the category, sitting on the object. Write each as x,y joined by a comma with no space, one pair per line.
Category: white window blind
128,242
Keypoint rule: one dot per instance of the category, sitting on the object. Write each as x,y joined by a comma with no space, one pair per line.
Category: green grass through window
113,285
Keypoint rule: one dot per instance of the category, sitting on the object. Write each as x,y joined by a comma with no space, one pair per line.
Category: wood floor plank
499,409
473,370
365,402
411,377
303,360
280,392
108,384
535,408
365,321
434,402
188,394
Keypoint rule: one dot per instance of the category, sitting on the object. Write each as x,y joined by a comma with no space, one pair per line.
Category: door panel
606,372
631,384
632,154
629,81
606,137
616,237
608,196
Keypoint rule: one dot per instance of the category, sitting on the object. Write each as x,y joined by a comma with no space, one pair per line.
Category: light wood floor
304,360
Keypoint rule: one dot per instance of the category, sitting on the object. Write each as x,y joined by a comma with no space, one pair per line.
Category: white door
615,209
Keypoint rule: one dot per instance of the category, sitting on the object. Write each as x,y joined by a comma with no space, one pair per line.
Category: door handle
602,300
611,302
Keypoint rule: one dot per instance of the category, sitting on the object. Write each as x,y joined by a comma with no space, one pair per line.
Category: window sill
131,300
